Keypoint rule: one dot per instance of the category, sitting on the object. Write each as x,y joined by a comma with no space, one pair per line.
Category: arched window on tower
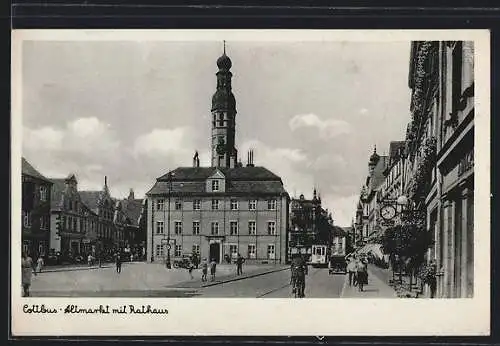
221,119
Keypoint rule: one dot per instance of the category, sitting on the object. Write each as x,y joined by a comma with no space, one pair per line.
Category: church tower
224,153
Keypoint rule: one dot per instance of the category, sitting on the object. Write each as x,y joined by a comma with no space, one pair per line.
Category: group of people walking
213,268
357,268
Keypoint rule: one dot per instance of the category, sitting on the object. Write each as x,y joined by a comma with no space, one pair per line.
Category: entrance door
215,252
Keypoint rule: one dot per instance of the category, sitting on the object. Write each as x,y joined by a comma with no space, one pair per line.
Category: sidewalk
83,266
375,289
228,274
150,278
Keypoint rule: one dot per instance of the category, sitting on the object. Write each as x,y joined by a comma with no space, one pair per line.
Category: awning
374,249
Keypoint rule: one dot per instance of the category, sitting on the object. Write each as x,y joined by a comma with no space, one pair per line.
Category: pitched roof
90,198
394,149
28,169
56,199
132,209
337,230
191,180
378,176
237,173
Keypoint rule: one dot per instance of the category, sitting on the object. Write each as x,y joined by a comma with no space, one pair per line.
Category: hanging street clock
388,212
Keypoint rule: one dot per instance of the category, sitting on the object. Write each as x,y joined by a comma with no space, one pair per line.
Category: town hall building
222,210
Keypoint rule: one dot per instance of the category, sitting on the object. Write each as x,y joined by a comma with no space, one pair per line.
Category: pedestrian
351,269
362,274
213,266
118,263
190,269
90,260
131,257
239,264
27,270
204,270
39,264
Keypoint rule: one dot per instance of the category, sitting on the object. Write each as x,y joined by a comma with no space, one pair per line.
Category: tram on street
319,255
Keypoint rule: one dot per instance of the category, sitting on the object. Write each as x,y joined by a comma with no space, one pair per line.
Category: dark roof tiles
28,169
58,187
191,180
203,173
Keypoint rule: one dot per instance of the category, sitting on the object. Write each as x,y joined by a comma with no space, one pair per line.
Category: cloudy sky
133,110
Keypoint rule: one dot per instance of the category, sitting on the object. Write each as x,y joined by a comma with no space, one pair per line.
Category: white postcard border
245,316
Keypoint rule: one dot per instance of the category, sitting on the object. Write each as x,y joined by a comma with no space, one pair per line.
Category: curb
73,269
70,269
244,277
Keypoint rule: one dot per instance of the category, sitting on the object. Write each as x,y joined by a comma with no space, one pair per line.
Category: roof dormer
216,182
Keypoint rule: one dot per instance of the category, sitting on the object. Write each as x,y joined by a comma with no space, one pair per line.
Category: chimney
196,159
131,194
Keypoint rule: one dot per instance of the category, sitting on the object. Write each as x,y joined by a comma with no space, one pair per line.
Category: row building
430,175
35,213
222,210
57,217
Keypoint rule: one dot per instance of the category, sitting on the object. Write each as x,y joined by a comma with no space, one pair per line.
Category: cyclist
299,270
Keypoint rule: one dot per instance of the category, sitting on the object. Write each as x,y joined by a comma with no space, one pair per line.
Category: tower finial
374,148
224,47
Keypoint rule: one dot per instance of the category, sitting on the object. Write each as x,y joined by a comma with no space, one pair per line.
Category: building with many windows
128,218
302,230
368,218
36,199
109,235
73,224
222,210
434,174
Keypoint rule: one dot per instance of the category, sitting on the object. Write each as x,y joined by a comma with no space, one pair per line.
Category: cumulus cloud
83,135
363,111
43,138
178,144
328,128
283,162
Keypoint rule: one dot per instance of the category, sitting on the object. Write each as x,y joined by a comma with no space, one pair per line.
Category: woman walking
362,274
27,269
39,264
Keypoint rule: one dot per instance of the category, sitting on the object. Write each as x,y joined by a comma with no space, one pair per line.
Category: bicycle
298,285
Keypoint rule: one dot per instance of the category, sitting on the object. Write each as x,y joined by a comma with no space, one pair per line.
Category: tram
319,255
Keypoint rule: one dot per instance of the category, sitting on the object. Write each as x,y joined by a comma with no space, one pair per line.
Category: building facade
128,220
304,214
73,225
222,210
109,234
440,165
367,216
454,224
36,199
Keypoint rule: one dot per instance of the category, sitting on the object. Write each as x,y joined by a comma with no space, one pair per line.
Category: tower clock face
388,212
221,147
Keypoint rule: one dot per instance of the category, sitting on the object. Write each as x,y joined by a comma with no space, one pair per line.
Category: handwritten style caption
101,309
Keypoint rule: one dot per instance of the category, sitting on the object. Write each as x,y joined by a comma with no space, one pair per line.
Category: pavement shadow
120,294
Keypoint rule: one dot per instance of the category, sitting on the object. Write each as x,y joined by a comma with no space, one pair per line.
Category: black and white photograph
241,165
